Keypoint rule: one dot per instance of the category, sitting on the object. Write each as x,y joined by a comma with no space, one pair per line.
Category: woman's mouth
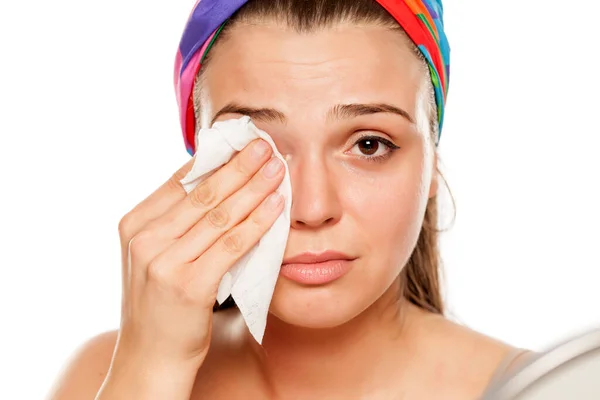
316,269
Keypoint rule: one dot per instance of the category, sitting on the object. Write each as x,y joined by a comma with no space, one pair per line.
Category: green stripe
439,49
422,18
434,76
212,42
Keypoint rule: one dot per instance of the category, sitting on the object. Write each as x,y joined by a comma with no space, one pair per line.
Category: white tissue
251,281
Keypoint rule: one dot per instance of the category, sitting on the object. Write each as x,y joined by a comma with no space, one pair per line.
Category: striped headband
422,20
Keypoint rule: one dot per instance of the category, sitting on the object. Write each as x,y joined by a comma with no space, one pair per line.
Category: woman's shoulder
474,358
85,371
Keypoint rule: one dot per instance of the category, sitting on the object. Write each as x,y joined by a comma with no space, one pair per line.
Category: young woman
353,93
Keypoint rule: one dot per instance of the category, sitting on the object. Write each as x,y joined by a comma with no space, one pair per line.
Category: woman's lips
317,273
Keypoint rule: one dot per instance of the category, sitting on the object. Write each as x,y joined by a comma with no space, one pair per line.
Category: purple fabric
207,16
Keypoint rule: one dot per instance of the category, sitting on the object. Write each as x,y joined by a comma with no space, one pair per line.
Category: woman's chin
314,308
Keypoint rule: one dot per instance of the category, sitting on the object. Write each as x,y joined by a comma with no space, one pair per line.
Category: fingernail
260,149
274,201
272,168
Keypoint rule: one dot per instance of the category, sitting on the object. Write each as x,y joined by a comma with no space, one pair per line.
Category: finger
162,199
235,209
212,191
208,270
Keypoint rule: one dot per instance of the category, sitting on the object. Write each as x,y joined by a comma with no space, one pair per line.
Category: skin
352,338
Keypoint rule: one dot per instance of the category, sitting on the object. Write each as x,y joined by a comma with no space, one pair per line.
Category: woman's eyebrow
259,114
340,111
345,111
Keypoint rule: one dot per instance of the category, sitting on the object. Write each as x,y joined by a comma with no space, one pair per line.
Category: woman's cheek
389,212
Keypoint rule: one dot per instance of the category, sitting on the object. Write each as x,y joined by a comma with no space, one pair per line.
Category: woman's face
320,95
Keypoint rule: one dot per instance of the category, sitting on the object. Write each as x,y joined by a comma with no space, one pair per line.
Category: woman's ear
435,176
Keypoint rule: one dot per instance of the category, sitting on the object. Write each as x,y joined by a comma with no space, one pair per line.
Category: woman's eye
373,147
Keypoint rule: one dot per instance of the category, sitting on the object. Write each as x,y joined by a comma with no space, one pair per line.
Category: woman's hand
176,247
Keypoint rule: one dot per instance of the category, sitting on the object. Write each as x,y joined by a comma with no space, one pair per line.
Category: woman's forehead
342,65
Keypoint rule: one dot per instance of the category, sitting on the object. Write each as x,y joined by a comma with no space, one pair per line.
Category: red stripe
190,118
416,30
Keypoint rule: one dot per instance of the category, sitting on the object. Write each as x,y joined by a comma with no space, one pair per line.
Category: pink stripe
176,70
184,85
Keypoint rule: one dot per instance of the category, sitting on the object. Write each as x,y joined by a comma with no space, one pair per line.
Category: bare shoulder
86,370
470,357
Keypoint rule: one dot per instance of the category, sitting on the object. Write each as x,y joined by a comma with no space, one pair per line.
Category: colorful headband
421,19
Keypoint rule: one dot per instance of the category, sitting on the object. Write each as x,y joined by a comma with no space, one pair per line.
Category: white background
88,128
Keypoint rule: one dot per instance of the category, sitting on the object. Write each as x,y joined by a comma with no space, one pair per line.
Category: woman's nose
314,193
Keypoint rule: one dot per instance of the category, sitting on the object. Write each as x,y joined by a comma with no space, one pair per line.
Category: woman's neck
367,353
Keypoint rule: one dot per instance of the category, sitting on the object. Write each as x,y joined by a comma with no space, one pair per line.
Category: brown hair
420,278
